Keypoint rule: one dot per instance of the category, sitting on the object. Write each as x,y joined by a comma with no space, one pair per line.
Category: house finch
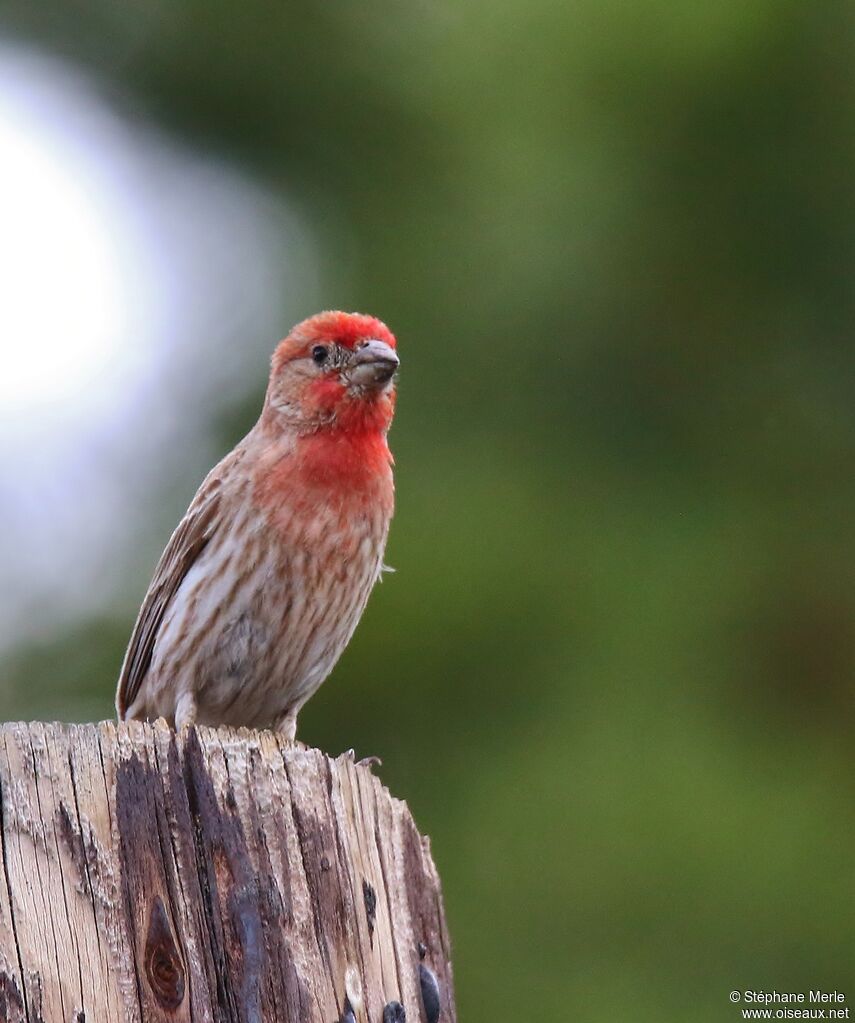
268,573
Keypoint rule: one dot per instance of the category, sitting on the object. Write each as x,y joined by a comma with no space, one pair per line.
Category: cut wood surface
218,875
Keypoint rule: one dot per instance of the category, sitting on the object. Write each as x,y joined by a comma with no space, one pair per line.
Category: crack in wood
11,994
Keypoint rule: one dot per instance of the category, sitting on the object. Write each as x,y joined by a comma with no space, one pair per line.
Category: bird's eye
320,354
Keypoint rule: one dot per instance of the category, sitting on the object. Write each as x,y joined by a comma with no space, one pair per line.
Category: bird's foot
368,762
286,726
185,712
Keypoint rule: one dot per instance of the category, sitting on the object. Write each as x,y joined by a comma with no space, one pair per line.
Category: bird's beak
372,364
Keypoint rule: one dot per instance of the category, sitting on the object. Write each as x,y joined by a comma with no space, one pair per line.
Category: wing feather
192,536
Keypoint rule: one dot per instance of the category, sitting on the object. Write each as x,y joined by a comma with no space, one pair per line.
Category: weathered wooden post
215,875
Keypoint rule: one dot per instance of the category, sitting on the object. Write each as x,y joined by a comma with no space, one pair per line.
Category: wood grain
217,875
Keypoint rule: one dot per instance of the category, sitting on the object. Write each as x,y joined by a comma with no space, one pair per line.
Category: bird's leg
185,711
286,725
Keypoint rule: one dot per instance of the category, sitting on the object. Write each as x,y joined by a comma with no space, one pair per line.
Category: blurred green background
613,673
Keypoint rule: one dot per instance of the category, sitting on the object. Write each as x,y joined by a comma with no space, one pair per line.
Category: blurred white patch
142,289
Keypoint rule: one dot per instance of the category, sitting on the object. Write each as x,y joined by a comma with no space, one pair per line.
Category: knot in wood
394,1013
163,967
430,993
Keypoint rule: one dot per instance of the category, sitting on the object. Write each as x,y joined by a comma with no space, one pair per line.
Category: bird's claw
368,762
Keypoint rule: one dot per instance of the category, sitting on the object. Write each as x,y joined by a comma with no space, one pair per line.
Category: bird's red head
334,371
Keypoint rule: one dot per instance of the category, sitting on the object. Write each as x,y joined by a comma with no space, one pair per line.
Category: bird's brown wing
187,543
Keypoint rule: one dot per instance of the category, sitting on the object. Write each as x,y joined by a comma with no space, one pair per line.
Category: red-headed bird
267,575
